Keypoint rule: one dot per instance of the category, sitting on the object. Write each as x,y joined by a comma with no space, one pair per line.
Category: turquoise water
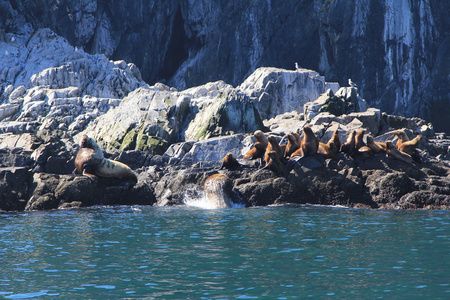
290,252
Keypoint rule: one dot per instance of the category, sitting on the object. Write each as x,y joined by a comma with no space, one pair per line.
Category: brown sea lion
273,145
336,140
376,148
274,162
328,150
349,146
393,152
410,147
364,152
261,137
402,137
91,162
230,162
308,145
359,140
257,151
292,144
218,190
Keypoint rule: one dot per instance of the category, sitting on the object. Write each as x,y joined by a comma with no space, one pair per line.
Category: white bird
352,84
13,39
6,53
297,66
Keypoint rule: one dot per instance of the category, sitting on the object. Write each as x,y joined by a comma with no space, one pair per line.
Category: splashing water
196,198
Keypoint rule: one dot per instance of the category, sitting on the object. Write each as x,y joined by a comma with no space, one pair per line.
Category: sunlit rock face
394,50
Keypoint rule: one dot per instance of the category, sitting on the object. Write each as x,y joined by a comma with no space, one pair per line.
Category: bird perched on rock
352,84
297,66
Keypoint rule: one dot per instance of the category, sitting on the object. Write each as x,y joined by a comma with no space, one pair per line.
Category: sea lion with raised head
274,162
328,150
230,162
273,145
336,140
410,146
308,145
376,148
393,152
91,162
261,137
257,151
292,144
349,145
402,137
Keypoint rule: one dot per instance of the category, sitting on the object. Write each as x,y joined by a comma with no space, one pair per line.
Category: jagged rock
277,91
15,188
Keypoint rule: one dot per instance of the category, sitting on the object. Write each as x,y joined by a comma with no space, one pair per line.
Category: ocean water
280,252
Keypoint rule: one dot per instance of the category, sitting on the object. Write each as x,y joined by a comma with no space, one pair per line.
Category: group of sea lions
276,156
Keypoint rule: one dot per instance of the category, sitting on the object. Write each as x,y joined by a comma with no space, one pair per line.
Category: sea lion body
402,137
218,190
91,162
274,162
292,144
349,145
230,162
308,145
376,148
327,150
273,145
336,140
261,137
393,152
359,140
257,151
410,147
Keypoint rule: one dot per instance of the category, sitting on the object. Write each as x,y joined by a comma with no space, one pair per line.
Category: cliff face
396,51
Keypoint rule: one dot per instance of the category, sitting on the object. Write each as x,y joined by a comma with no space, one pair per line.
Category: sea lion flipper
90,176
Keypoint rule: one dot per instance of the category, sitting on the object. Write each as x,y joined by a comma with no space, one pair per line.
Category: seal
328,150
402,137
292,145
410,147
273,145
218,190
309,143
394,153
91,162
375,147
256,152
261,137
230,162
336,140
274,162
349,145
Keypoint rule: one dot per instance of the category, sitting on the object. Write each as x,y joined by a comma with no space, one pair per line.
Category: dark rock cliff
396,51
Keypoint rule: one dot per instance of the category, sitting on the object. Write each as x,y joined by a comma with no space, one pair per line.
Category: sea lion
257,151
349,145
335,139
292,144
328,150
91,162
376,148
359,140
410,147
274,162
230,162
273,145
308,145
402,137
261,137
393,152
218,190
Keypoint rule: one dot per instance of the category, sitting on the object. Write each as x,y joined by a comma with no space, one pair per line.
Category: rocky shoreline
52,93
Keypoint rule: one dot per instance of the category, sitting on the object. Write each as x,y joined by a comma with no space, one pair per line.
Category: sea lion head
390,145
307,130
291,137
273,140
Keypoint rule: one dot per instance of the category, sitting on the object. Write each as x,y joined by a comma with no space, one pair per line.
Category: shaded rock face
396,51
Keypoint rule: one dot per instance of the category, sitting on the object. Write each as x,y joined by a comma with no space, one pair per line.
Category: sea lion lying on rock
91,162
